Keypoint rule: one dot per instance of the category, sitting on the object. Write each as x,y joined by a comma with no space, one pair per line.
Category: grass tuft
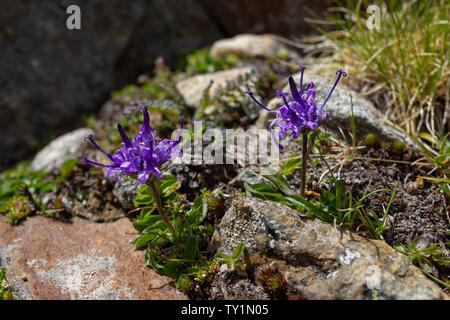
409,54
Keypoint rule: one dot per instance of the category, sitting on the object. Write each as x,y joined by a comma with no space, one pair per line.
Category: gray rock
281,17
192,89
251,178
68,203
251,45
68,146
126,190
368,119
50,75
225,286
318,261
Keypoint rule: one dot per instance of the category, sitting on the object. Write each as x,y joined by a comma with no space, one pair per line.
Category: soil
226,285
194,178
89,194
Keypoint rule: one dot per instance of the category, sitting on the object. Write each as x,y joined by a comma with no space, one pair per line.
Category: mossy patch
5,293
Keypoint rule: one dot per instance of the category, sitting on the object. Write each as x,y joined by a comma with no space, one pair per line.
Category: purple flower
142,156
299,114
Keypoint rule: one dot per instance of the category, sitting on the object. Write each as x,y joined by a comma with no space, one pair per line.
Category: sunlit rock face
317,260
46,259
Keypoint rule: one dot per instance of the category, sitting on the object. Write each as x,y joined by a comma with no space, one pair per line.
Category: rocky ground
85,250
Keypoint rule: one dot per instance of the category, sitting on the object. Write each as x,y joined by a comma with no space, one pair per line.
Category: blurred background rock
50,76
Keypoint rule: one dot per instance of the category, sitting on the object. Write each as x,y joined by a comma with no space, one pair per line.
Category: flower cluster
142,156
299,114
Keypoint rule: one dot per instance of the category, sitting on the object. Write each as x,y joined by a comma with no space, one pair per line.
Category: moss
399,146
371,140
5,293
282,54
200,61
160,88
17,208
22,192
68,168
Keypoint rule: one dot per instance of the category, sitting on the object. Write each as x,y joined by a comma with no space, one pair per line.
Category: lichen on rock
317,260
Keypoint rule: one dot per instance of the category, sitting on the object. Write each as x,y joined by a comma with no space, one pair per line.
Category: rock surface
126,191
318,261
68,146
261,16
48,259
50,75
367,118
243,45
193,88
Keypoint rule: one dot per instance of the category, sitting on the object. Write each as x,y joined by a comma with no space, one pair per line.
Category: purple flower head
142,156
299,113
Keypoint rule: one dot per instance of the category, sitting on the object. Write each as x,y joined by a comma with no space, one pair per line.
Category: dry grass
408,57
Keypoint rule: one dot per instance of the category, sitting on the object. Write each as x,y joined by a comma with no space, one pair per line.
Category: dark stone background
50,76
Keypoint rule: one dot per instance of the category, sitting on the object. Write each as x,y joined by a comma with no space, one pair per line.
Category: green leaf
400,248
420,243
198,212
277,179
292,164
261,191
300,202
328,199
260,188
428,137
148,220
221,256
425,265
144,197
169,185
143,240
47,186
67,168
173,269
341,198
238,251
158,225
191,248
150,259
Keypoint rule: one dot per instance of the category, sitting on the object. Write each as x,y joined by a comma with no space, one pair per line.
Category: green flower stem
160,207
304,160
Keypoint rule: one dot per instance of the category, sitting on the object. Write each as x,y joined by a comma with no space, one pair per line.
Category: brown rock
48,259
